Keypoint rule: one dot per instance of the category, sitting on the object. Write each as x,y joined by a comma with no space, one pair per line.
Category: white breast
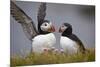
69,46
42,42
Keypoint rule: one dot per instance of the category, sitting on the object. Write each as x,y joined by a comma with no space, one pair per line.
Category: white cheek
63,28
43,28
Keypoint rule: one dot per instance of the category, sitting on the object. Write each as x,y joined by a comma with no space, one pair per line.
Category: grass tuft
52,58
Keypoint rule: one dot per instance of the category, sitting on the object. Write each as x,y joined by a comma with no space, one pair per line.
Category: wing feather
26,22
41,13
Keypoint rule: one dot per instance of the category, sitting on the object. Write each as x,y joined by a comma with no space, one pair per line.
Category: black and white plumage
43,38
69,42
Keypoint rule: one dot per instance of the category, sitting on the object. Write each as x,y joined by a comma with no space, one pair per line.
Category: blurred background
81,17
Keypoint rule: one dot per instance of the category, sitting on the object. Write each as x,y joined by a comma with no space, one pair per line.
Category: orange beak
60,30
52,29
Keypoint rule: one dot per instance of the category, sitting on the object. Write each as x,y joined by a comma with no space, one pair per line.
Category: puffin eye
45,24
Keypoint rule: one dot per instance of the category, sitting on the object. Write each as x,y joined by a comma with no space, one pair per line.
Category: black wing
79,42
41,13
26,22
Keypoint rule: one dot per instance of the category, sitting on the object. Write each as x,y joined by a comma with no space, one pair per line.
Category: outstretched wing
25,21
41,13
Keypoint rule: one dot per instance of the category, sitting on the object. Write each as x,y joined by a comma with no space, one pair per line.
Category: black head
46,27
66,29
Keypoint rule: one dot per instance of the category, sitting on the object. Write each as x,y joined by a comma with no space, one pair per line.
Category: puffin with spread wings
43,38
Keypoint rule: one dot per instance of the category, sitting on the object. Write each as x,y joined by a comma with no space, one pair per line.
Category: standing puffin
69,42
43,38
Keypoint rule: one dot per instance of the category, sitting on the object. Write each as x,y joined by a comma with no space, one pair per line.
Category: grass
52,58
